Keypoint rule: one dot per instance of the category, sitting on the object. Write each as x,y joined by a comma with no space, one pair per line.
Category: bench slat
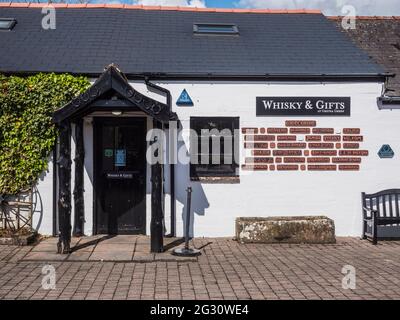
377,206
397,205
390,205
386,221
371,205
384,206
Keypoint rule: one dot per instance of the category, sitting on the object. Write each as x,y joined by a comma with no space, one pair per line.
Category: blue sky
220,3
329,7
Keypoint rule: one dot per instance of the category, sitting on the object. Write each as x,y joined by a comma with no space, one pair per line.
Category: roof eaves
229,76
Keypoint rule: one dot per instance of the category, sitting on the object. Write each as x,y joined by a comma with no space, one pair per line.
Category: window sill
216,180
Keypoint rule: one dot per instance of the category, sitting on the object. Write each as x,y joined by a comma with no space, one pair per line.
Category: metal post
186,251
187,230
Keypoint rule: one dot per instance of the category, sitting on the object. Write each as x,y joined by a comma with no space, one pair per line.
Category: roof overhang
112,79
373,77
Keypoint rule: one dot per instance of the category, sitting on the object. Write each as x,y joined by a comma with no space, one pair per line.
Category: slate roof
157,40
380,38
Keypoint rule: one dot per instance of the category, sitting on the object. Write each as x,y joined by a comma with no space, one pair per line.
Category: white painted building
292,162
336,194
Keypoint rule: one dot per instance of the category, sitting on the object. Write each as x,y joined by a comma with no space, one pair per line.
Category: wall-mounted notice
120,158
386,152
303,106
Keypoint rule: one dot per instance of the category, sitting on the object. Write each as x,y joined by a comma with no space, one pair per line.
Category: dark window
213,144
215,28
7,23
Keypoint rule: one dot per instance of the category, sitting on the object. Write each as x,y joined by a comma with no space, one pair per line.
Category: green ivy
27,133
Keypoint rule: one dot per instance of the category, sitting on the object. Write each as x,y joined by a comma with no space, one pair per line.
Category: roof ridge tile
158,8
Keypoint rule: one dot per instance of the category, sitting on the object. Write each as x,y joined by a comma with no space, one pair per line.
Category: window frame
11,23
197,29
234,167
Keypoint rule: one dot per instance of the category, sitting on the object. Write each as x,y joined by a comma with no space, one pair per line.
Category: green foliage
27,133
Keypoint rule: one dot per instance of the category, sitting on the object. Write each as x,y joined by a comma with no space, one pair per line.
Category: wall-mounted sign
120,158
184,99
120,176
386,152
108,153
303,106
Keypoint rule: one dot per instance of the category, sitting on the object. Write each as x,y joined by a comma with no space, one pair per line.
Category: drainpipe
55,225
172,166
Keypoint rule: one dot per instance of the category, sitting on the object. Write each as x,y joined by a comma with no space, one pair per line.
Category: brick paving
226,270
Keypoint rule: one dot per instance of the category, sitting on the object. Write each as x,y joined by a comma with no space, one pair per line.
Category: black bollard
186,251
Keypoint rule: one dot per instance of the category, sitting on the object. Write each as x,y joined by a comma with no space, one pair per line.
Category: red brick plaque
322,167
293,145
346,160
351,131
323,152
321,145
300,123
300,130
323,130
318,160
294,160
261,152
277,130
359,153
287,153
353,138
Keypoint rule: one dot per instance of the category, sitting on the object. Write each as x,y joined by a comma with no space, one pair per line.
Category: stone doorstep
94,249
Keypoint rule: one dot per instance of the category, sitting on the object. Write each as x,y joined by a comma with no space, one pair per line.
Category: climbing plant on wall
27,133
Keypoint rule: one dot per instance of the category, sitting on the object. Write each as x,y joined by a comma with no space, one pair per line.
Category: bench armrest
369,210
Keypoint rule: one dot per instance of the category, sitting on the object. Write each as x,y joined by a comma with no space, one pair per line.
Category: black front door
120,175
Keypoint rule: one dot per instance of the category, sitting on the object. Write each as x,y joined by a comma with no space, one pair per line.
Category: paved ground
107,249
226,270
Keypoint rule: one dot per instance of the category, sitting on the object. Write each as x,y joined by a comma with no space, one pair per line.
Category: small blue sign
386,152
184,99
120,158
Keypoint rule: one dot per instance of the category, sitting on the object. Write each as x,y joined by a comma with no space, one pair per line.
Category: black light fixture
7,24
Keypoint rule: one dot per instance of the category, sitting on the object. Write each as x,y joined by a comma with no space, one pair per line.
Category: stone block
315,230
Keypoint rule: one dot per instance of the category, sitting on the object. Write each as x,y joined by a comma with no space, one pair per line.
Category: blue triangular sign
386,152
184,99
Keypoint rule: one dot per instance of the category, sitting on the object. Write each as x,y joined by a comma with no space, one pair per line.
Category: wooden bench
379,209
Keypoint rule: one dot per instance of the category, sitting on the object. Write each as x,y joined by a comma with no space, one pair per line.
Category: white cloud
328,7
173,3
